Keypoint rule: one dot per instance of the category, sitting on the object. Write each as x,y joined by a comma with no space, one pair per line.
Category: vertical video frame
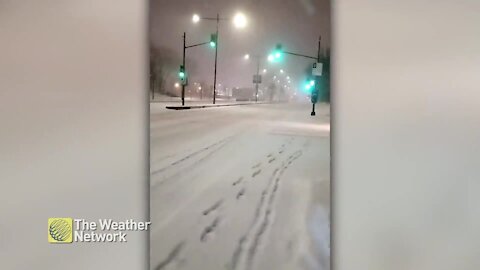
239,134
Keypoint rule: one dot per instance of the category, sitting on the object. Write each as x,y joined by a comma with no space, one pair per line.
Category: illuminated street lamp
239,21
195,18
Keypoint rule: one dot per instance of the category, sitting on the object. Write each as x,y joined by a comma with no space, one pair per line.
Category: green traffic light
275,57
181,73
309,86
213,40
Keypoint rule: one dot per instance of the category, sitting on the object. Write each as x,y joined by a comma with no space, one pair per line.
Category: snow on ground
244,187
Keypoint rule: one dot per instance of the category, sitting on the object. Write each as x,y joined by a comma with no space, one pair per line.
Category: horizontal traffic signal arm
195,45
302,55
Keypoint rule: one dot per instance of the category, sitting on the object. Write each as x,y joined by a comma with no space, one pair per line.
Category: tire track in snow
191,155
189,167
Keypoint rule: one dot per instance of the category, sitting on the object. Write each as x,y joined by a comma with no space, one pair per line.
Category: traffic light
312,90
310,86
213,40
278,51
181,73
277,54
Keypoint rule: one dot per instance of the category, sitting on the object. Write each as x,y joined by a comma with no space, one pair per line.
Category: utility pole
183,62
317,84
217,19
215,71
258,77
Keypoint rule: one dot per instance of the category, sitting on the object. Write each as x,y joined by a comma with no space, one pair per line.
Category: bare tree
163,65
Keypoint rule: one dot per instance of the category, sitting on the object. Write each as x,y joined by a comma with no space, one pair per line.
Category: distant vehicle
243,94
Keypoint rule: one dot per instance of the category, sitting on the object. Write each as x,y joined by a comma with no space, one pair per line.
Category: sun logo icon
60,230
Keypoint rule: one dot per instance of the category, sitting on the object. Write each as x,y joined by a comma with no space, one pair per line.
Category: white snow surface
241,188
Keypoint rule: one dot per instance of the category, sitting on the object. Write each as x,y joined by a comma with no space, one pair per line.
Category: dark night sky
296,24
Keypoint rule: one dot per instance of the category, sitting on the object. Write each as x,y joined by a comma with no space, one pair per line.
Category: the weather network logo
60,230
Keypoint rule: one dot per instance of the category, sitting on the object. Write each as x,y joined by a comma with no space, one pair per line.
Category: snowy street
241,187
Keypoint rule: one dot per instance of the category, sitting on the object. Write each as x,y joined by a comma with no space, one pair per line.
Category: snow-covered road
244,187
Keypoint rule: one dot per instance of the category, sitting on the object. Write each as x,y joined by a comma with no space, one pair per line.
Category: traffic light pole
256,81
215,71
183,61
318,83
217,19
185,79
318,61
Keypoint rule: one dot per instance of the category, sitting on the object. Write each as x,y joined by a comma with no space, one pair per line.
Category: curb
209,106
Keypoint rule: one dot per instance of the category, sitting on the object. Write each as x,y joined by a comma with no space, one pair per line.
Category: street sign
257,78
317,69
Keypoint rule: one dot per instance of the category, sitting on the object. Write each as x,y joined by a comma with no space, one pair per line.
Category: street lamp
195,18
239,20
